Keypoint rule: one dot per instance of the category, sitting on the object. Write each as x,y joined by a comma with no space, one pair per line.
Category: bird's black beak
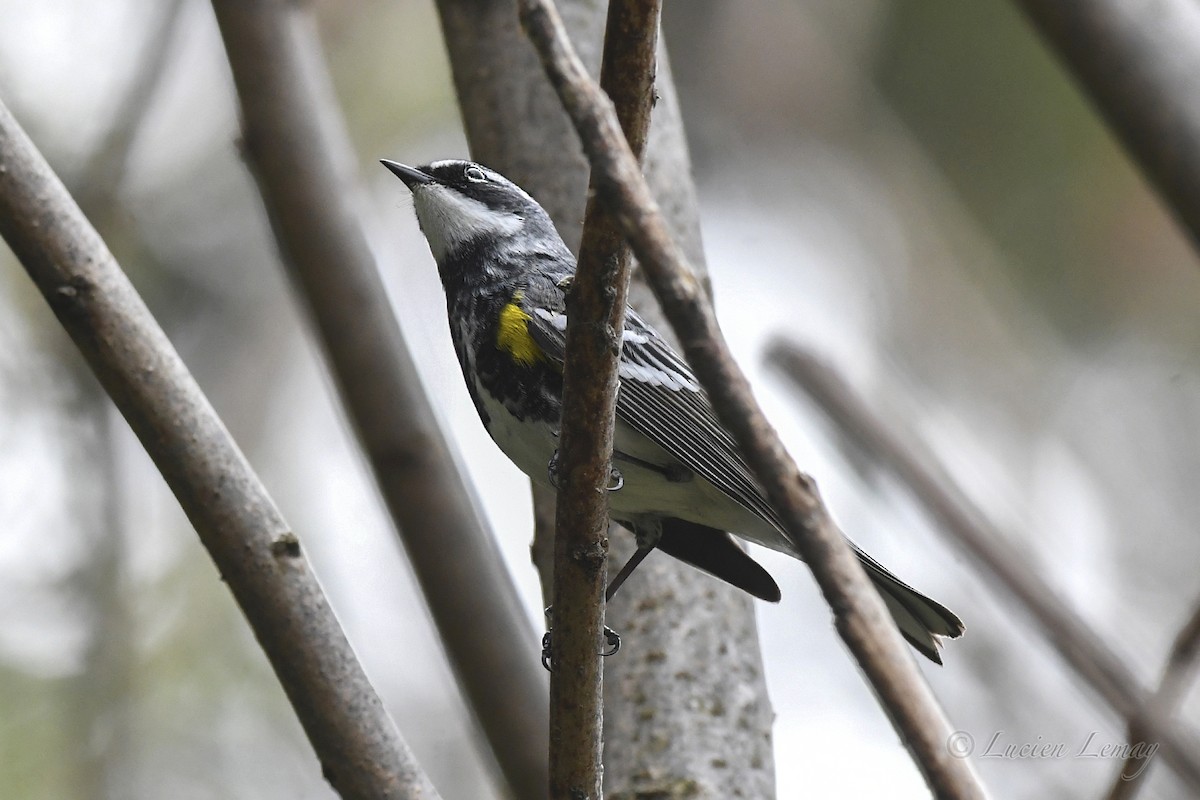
412,177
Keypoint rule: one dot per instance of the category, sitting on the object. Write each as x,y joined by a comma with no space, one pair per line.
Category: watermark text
1002,745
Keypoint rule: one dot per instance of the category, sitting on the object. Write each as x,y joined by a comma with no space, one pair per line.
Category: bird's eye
475,175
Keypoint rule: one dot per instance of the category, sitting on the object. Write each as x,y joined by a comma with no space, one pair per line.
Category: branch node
286,545
591,557
67,295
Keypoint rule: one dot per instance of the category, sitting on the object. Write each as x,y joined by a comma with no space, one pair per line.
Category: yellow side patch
513,335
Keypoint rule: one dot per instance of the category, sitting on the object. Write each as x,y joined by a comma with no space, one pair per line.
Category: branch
1146,725
361,751
1139,64
1066,632
106,165
595,321
859,613
716,727
296,148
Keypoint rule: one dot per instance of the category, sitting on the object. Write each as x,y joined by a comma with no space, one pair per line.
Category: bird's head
461,204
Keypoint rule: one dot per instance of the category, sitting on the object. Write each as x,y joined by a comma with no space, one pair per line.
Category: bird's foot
552,473
616,481
614,642
546,642
611,637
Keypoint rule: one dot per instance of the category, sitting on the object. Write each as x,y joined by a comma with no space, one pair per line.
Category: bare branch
1140,64
595,319
256,553
1079,646
106,165
1145,727
295,146
859,612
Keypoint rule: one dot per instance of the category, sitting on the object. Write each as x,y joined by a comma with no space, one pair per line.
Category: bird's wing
660,398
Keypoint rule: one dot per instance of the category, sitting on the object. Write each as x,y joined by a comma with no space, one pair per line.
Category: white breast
529,445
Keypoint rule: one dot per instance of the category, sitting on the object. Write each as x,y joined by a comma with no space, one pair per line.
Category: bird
680,483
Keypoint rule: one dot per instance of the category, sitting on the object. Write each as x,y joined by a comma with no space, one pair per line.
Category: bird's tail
921,620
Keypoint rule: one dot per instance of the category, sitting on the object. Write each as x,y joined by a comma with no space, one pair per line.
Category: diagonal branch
1082,649
1145,727
361,751
1139,63
595,321
859,612
106,165
296,148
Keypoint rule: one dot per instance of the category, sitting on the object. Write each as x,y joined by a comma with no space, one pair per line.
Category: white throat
448,219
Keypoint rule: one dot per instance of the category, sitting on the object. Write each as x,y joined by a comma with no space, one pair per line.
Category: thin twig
859,613
295,144
1177,676
1079,646
106,165
258,556
595,319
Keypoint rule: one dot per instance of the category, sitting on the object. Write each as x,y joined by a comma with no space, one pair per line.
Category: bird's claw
610,636
549,612
616,480
614,642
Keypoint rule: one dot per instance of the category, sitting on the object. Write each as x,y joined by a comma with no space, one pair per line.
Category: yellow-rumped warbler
683,483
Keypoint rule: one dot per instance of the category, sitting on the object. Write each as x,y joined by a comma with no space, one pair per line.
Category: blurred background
910,189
